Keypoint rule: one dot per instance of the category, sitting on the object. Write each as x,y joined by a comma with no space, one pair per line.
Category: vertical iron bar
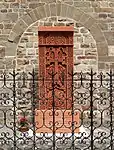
73,146
111,111
53,107
91,108
33,108
14,110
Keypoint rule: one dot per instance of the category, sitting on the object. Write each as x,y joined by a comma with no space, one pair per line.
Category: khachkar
55,87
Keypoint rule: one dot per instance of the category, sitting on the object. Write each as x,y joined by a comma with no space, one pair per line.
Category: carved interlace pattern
55,56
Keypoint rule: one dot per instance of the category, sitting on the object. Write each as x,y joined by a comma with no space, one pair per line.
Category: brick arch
63,10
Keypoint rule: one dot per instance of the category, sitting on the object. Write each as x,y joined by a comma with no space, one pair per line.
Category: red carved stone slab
54,113
55,55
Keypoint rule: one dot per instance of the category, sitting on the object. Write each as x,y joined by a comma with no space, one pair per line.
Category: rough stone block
47,10
84,17
32,15
106,58
101,66
7,26
102,49
63,10
48,1
109,37
12,17
42,12
2,52
12,36
14,5
53,9
35,5
70,11
88,24
2,65
95,30
27,19
58,6
82,4
10,49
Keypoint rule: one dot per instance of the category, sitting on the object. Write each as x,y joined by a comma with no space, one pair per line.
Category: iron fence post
33,108
53,109
111,111
73,146
91,108
14,108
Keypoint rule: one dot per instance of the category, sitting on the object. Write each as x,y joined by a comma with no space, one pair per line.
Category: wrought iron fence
66,113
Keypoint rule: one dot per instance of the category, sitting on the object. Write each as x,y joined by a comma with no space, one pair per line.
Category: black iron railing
86,124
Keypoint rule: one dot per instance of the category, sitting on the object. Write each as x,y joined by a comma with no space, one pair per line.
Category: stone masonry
93,22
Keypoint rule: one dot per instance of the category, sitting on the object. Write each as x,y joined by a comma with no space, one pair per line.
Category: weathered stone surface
84,18
27,19
70,11
82,4
2,52
106,58
103,15
12,17
102,49
9,63
10,49
77,14
2,65
88,24
14,5
47,10
97,33
7,26
53,9
32,15
58,7
22,62
101,66
64,10
35,5
110,50
109,37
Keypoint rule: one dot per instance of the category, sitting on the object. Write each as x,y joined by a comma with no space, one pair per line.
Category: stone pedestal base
59,121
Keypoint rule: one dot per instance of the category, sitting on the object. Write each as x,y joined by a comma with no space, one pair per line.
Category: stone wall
93,38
